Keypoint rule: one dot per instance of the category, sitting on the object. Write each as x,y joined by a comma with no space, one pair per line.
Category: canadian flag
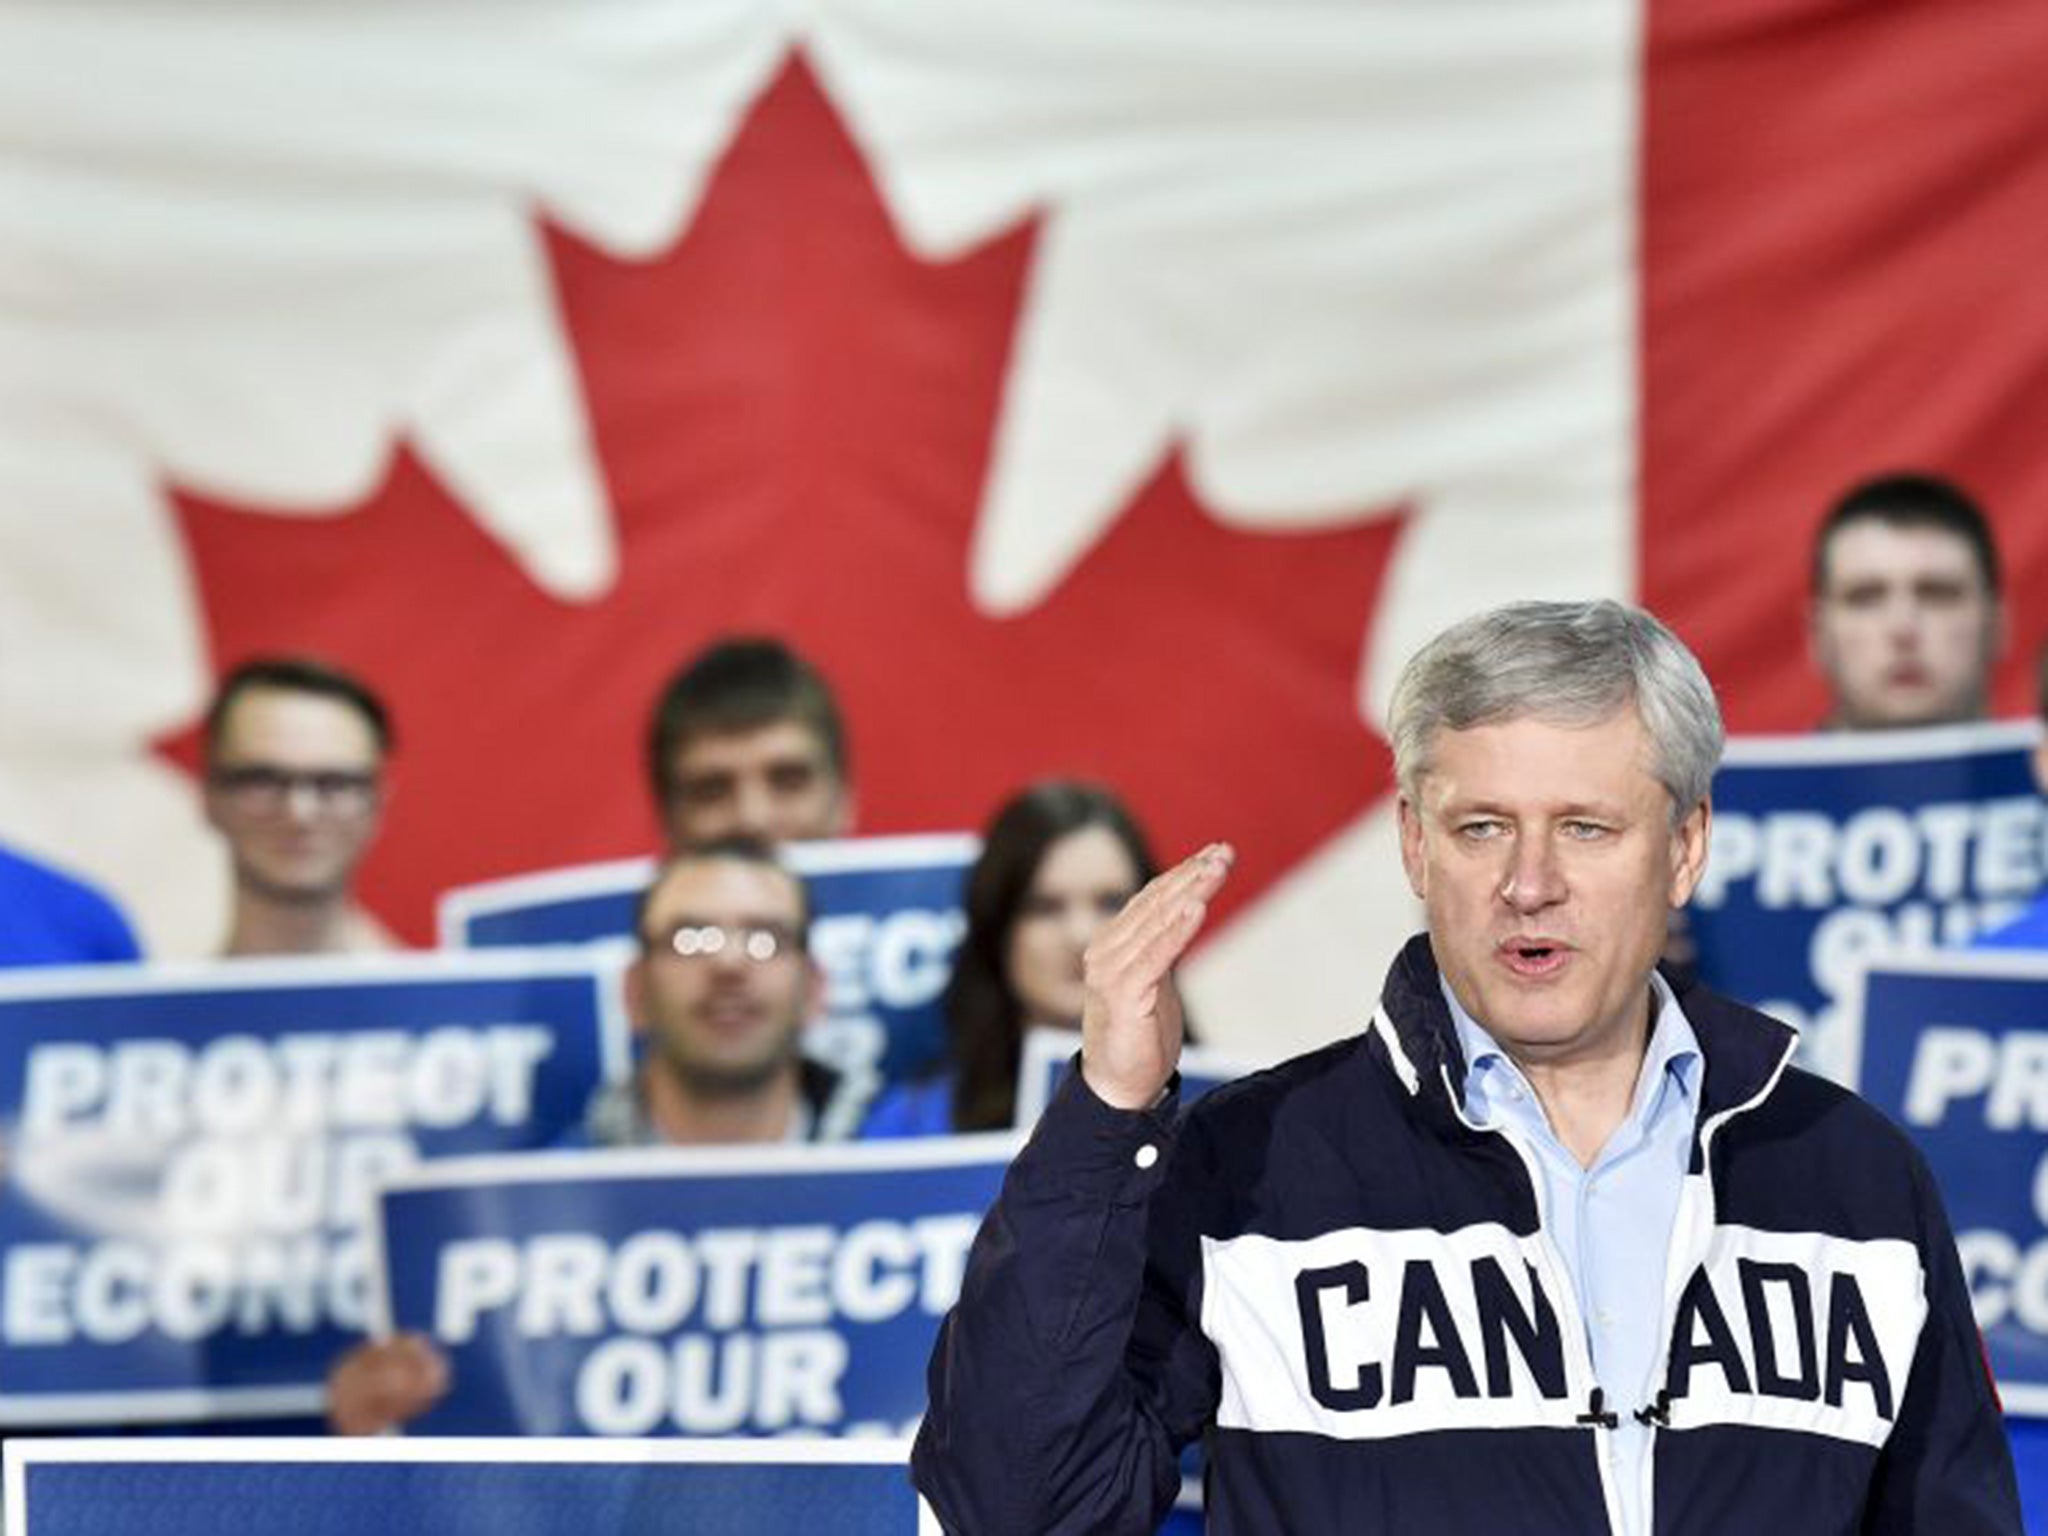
1121,390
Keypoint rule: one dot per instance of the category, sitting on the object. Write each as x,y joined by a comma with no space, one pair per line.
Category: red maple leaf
794,417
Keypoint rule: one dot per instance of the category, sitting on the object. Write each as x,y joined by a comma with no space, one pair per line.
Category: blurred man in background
1907,620
747,740
720,994
295,755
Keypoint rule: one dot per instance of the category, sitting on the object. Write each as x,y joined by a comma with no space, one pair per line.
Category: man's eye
1584,831
1481,831
792,778
705,791
334,785
1942,594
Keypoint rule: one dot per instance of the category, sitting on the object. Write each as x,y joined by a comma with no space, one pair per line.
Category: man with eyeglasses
720,993
295,754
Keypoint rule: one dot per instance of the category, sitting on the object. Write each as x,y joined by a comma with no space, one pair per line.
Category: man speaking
1558,1244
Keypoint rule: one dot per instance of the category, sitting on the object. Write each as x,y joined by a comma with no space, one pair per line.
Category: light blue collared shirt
1610,1223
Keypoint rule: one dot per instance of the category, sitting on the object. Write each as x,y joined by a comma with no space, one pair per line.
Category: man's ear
1691,838
1412,860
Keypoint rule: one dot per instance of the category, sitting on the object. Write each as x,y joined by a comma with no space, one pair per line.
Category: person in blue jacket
51,918
1558,1244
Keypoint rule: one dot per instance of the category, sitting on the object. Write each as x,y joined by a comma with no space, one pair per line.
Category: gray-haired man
1556,1245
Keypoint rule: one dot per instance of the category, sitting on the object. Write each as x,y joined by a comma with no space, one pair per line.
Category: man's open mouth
1533,957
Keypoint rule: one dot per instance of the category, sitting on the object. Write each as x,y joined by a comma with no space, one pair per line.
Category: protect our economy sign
189,1152
759,1291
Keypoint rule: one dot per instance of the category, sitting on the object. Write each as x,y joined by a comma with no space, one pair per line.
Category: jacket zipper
1579,1353
1692,1232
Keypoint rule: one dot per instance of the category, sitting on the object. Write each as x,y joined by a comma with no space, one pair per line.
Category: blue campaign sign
576,904
686,1292
1955,1049
189,1152
887,921
1049,1053
1831,850
452,1487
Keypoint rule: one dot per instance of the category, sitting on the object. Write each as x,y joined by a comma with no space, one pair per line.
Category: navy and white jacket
1347,1289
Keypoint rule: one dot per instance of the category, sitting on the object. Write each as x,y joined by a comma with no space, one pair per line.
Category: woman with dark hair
1059,860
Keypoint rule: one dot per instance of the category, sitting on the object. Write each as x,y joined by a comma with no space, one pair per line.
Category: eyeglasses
758,942
263,789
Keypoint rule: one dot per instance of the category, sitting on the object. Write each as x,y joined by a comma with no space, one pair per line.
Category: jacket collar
1741,1050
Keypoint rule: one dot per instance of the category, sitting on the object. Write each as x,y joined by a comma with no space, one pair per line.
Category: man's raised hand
1131,1025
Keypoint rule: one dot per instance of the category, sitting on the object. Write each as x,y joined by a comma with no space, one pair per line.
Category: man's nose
753,808
1534,878
301,799
730,957
1902,617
